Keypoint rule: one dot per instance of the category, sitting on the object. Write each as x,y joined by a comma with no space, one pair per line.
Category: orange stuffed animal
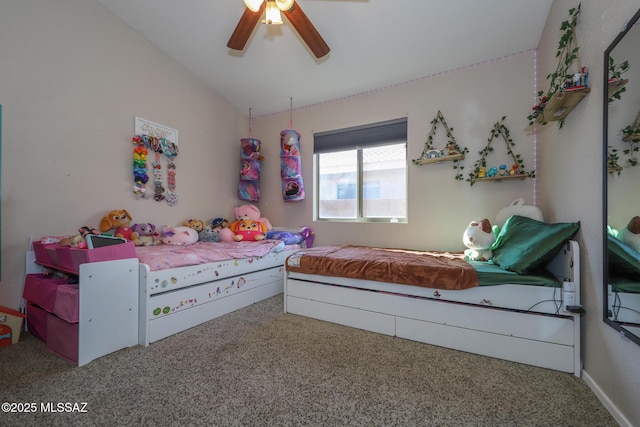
248,230
120,220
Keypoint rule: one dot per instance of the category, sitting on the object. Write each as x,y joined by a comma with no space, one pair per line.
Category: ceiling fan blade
306,30
245,27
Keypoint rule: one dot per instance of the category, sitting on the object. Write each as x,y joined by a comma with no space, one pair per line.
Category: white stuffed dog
478,238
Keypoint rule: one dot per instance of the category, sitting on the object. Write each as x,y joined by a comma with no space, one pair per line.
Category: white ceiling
374,44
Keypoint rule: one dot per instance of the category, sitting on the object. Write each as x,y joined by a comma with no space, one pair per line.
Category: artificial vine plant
452,148
499,130
567,53
615,73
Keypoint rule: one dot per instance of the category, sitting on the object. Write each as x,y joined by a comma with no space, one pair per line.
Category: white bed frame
491,320
625,307
177,299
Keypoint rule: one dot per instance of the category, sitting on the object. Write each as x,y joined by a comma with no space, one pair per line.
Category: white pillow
517,207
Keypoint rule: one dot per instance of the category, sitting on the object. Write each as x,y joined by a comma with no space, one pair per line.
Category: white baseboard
604,399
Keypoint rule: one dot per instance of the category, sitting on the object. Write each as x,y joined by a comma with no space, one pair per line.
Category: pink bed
164,257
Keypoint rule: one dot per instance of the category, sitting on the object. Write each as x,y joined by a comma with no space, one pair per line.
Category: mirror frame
605,179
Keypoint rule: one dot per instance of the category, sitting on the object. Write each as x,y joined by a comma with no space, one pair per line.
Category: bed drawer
553,329
339,295
181,320
353,317
171,302
532,352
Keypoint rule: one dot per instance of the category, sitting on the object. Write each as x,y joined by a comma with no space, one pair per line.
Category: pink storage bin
42,255
64,257
67,303
37,321
107,253
42,290
52,254
62,338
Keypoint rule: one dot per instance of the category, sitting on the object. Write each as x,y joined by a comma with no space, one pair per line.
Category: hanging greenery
561,77
517,170
616,83
451,152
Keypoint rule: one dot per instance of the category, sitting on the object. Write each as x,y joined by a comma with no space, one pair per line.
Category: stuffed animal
209,235
251,212
196,224
179,236
478,238
248,230
146,234
630,235
84,230
120,220
221,226
517,207
77,241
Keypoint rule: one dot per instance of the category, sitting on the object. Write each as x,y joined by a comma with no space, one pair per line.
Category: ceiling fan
293,12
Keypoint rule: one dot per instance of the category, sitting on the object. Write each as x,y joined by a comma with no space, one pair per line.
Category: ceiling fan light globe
272,15
284,5
253,5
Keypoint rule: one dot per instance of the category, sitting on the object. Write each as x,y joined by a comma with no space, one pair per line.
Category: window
361,173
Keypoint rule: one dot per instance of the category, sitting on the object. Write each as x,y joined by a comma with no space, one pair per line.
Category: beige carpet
261,367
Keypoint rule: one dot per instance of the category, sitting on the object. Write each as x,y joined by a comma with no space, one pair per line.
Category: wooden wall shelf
561,105
501,178
441,159
615,86
614,169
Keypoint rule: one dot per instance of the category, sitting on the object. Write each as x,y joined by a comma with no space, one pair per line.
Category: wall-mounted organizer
250,164
291,166
567,88
250,159
161,141
452,152
500,172
291,162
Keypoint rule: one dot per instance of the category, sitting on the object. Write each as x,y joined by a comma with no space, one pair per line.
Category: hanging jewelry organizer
566,89
160,146
499,172
250,162
291,163
162,142
450,153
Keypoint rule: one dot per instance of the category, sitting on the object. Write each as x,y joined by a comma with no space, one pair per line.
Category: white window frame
381,134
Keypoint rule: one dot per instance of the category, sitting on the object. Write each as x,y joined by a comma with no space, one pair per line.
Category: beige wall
571,187
440,208
72,80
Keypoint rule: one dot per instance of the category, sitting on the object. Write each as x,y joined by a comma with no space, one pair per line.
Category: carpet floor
261,367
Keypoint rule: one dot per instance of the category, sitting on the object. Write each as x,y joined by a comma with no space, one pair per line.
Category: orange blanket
439,270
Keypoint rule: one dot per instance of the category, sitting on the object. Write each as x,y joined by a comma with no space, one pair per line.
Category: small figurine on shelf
482,172
493,171
503,170
514,170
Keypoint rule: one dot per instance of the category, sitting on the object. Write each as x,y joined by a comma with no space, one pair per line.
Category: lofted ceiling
374,44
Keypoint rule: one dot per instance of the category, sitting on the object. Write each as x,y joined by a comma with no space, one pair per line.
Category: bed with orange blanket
440,298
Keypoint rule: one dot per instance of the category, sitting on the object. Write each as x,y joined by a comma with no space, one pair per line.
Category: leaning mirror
621,186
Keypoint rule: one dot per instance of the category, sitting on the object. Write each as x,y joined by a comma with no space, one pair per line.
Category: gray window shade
360,136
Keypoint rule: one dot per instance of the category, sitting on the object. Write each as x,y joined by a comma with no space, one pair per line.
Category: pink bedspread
163,257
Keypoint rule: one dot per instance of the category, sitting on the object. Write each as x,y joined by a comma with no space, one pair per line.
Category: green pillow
624,261
524,244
